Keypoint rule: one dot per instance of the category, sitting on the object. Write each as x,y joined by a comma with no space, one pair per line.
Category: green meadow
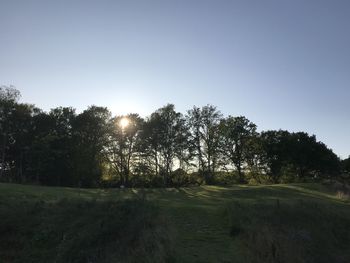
275,223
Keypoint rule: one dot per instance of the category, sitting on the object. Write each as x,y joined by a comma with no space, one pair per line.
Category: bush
226,178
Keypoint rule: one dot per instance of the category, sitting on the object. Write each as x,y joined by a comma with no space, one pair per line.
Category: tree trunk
3,152
21,169
167,172
156,160
240,173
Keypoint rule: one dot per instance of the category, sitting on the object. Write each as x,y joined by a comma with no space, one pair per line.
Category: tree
62,148
205,137
130,136
275,153
21,136
299,153
346,165
9,94
327,164
62,145
237,135
52,161
255,158
123,144
165,140
303,152
41,154
89,134
9,97
310,158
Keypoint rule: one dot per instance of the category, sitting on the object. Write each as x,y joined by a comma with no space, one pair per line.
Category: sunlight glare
124,122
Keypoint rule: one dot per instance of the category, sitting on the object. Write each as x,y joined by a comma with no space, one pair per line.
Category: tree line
167,148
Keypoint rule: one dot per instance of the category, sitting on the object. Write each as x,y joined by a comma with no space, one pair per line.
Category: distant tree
62,148
150,144
41,154
123,144
90,131
19,132
22,135
345,169
52,148
327,164
310,157
237,135
165,137
9,97
205,137
346,165
302,152
275,153
9,94
256,158
184,149
299,153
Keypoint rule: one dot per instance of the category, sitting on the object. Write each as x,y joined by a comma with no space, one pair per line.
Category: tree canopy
93,148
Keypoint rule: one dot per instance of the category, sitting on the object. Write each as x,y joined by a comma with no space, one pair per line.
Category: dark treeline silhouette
167,148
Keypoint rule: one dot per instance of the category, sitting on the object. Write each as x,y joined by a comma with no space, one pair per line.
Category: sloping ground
199,216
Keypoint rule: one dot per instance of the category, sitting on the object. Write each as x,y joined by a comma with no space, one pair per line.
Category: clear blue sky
283,63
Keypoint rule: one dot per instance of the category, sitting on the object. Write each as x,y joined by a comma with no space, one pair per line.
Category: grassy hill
277,223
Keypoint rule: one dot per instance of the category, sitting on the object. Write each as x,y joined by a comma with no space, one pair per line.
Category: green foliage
345,166
238,135
165,140
63,148
296,155
121,150
204,124
89,137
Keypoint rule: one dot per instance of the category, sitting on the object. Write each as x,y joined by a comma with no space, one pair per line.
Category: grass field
201,219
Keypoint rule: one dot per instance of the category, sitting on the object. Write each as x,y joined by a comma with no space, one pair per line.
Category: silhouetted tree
237,135
345,167
275,153
205,137
41,154
165,136
8,100
21,139
52,149
310,157
327,164
256,158
299,153
90,135
65,149
123,144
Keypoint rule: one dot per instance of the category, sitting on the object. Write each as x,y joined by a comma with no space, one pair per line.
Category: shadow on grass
296,233
83,231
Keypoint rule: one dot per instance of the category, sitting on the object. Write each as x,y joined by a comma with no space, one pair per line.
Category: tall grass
83,232
298,233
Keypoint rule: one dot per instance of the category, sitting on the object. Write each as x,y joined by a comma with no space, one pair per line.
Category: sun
124,122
